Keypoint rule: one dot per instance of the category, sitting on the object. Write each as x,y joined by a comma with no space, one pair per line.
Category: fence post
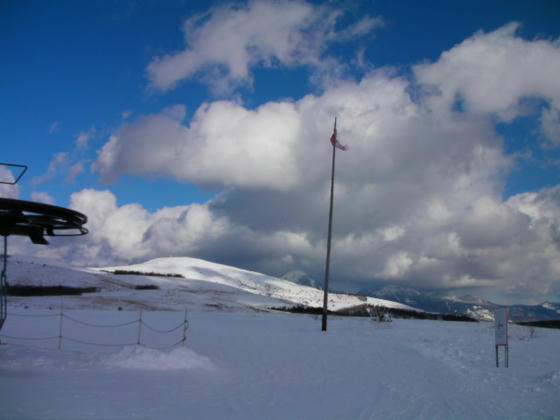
60,325
140,327
185,324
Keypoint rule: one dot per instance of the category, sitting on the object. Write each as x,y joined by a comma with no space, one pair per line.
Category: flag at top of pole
334,140
336,145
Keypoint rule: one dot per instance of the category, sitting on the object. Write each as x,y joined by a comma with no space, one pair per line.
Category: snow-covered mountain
472,306
193,269
176,282
182,281
552,306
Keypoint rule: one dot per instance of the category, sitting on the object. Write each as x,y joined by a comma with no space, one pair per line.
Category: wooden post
501,320
185,324
139,327
60,325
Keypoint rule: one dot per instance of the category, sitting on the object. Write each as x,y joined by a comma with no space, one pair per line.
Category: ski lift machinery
34,220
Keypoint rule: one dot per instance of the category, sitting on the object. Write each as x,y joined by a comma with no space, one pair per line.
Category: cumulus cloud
418,197
510,246
491,73
74,171
550,126
42,197
83,138
7,189
225,42
225,144
58,162
121,234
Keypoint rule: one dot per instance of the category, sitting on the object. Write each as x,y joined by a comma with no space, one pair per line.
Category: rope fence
139,322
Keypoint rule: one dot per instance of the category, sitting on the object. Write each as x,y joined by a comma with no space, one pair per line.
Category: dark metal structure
34,220
14,165
37,220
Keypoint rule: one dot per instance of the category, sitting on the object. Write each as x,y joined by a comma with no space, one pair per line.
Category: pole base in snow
506,348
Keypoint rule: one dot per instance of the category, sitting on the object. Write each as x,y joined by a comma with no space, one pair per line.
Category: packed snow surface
249,365
78,356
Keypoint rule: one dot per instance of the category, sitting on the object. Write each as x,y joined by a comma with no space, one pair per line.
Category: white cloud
225,42
175,112
113,230
131,233
520,260
360,28
392,233
83,138
418,195
550,126
42,197
7,190
398,266
225,144
492,72
74,171
58,161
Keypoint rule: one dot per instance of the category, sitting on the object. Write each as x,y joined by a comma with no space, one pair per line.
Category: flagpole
327,264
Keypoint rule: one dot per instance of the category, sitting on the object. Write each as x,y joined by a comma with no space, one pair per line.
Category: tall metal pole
327,264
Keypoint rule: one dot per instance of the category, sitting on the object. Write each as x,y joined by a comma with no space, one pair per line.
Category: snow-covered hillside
181,282
249,281
239,363
249,365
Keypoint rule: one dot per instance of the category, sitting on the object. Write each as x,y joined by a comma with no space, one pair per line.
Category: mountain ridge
474,306
175,282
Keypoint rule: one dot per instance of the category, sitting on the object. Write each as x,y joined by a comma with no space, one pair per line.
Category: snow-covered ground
240,362
249,365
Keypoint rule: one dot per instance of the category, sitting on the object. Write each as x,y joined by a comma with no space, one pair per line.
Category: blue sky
211,124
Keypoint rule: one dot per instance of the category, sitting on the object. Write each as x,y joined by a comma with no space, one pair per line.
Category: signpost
501,325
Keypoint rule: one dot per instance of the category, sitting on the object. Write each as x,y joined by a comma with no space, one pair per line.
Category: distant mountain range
469,305
472,306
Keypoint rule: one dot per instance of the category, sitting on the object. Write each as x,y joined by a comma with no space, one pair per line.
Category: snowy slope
199,282
251,365
249,281
243,365
33,271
